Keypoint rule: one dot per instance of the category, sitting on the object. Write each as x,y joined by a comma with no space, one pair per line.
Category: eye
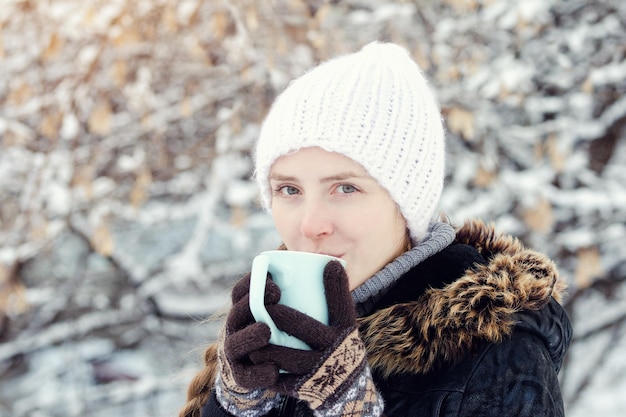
286,190
346,189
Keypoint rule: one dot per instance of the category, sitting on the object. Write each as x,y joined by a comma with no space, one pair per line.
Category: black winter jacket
475,330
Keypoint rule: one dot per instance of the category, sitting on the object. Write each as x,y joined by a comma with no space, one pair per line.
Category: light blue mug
299,275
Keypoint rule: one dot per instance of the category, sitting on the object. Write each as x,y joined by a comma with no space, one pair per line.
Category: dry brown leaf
588,267
587,86
20,94
239,215
299,7
102,240
452,73
100,118
281,47
317,39
10,138
119,71
461,6
219,23
322,13
420,57
50,124
540,218
186,108
236,122
504,92
6,276
125,36
89,17
484,177
521,25
558,157
168,19
38,227
146,122
83,179
252,19
139,193
55,44
461,122
12,291
196,50
474,62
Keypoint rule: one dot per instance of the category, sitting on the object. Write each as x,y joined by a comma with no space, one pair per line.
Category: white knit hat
375,107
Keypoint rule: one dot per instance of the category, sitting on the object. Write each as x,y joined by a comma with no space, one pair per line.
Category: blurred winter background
126,209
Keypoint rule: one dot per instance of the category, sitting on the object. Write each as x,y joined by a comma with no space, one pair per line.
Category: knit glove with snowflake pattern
333,378
241,385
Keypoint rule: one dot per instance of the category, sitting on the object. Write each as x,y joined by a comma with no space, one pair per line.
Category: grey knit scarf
440,236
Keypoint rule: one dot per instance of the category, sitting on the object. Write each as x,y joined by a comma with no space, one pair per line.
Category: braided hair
201,385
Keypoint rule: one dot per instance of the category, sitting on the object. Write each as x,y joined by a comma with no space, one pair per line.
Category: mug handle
258,277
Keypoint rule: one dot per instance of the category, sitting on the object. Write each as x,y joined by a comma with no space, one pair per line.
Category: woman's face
324,202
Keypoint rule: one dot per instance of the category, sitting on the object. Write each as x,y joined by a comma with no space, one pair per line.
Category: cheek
386,237
285,223
386,222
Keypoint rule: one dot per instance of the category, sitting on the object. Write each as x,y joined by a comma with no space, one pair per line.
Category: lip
340,256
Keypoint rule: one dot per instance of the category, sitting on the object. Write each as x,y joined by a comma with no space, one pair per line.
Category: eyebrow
341,176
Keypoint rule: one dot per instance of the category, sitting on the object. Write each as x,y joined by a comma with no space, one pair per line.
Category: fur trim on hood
444,325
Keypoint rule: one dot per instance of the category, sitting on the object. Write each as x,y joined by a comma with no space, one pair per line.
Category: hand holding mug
241,384
244,335
333,374
330,373
300,277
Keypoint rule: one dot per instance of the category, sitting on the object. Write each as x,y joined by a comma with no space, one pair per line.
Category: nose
316,221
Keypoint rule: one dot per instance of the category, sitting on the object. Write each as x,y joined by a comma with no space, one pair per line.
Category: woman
426,320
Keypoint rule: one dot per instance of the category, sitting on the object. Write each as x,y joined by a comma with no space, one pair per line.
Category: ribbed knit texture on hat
375,107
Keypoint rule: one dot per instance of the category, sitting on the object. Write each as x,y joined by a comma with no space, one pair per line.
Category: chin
354,281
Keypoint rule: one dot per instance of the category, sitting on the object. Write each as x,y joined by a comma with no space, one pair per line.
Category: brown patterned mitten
241,385
333,378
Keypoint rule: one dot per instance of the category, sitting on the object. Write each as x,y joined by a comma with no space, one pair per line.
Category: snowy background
126,209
